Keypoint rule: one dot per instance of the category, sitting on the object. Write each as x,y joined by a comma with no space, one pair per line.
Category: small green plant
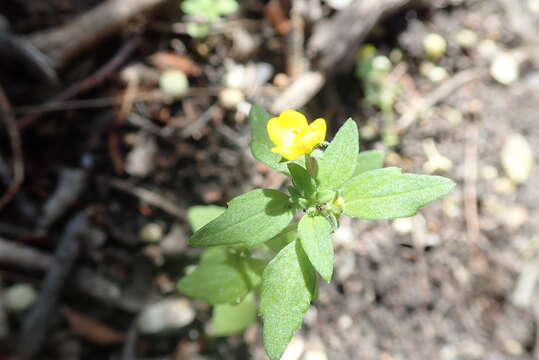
204,13
378,88
255,247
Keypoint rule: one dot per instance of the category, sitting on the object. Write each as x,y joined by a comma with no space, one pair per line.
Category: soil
448,284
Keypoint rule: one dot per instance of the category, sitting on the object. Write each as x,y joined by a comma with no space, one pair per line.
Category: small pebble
487,49
403,226
504,69
151,232
294,350
19,297
229,98
533,5
174,83
467,39
504,185
488,172
168,314
315,355
236,78
517,158
338,4
433,72
435,45
514,216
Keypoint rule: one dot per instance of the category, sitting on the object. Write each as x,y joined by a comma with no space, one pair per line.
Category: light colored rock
467,39
168,314
140,160
338,4
175,242
505,69
517,158
435,45
294,350
514,216
533,5
151,232
19,297
229,98
504,185
403,226
435,160
174,83
433,72
488,172
315,355
487,49
236,77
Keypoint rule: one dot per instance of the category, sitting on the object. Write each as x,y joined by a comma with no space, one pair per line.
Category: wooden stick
36,324
64,43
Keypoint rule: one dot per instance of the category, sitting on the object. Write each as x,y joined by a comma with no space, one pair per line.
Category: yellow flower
293,136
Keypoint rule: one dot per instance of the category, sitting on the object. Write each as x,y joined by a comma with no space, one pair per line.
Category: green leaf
251,218
222,277
388,194
199,216
285,237
227,7
315,236
369,160
288,286
230,319
339,160
302,179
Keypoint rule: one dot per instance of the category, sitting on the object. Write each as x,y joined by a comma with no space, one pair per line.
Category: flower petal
313,135
289,153
284,129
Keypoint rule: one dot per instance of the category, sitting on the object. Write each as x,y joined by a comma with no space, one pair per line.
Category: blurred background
117,116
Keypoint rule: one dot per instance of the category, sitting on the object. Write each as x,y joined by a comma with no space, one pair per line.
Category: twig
129,349
91,81
16,149
198,124
148,196
63,43
71,183
296,60
152,95
470,183
299,92
334,43
84,280
441,92
35,326
333,47
24,256
4,324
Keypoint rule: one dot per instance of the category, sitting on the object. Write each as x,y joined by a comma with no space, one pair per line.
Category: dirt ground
119,162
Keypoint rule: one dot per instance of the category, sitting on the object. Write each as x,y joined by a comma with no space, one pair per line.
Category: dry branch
63,43
335,42
333,47
35,326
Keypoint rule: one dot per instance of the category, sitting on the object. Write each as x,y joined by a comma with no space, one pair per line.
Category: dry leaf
92,330
169,60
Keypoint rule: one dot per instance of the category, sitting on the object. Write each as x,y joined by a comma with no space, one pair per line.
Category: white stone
168,314
435,45
338,4
504,69
517,158
19,297
174,83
